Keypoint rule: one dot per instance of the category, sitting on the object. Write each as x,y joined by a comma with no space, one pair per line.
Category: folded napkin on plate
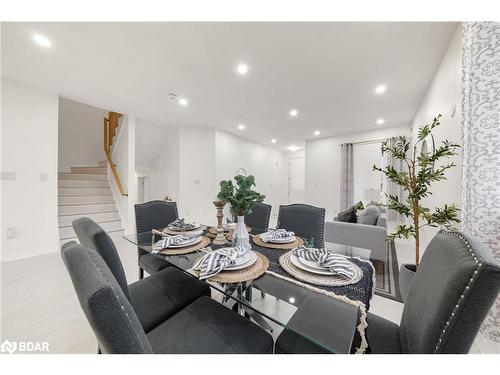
166,242
216,261
181,224
276,234
327,259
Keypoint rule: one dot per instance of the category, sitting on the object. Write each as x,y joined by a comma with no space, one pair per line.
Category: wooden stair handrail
110,125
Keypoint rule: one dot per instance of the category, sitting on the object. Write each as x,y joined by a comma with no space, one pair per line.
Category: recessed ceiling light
380,121
41,40
293,148
273,140
294,113
242,69
241,127
183,101
380,89
317,132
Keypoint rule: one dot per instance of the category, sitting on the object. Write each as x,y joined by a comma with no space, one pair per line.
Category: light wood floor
39,303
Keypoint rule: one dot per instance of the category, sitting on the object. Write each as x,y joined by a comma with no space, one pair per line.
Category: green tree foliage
416,180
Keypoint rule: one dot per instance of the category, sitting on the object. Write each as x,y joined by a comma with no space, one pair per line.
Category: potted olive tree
419,173
241,198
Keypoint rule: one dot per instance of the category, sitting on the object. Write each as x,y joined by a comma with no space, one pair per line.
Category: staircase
86,192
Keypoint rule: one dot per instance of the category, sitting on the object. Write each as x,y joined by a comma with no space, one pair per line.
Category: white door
296,180
142,189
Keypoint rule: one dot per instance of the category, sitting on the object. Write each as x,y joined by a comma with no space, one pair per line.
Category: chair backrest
305,220
258,219
154,215
454,288
108,311
92,236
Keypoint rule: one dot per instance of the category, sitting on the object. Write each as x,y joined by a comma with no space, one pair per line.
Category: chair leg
99,350
141,273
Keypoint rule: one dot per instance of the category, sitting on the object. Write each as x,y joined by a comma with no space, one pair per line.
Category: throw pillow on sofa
369,215
347,216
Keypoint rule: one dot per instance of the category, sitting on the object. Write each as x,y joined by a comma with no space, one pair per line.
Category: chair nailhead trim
462,296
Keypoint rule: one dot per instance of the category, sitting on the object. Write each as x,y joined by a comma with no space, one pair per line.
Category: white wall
80,134
268,165
157,155
323,166
444,96
29,149
123,155
197,186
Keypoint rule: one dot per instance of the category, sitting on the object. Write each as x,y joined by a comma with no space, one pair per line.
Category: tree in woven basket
240,197
416,180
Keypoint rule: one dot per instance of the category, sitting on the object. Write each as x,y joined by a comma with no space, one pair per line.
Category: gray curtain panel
481,148
390,187
346,176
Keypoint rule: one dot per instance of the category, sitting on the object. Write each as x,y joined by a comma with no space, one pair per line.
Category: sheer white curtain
481,149
346,176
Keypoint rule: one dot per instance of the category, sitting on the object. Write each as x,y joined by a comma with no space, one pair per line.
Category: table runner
358,294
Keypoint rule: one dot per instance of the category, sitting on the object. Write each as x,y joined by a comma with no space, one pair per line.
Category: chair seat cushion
382,335
207,327
151,264
161,295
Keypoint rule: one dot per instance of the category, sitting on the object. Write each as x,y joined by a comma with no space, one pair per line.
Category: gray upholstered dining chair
258,219
148,216
154,298
204,326
305,220
455,286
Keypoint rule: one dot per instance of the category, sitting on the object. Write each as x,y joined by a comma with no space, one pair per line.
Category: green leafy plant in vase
240,197
419,173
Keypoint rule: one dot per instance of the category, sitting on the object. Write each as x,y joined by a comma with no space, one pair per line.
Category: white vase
240,235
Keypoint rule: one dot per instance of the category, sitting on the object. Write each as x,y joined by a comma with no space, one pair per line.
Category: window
367,183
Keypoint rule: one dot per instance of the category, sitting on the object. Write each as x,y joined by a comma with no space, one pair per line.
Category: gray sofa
360,235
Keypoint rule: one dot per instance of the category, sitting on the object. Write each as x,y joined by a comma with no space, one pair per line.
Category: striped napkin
166,242
216,261
276,234
327,259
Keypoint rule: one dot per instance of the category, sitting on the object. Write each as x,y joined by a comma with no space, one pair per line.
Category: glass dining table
291,311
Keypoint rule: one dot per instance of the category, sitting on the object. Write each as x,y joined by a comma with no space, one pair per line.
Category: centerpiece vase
240,234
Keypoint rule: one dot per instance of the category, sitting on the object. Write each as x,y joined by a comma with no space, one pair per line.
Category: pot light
183,101
41,40
380,121
291,299
242,69
273,140
380,89
293,148
241,127
317,132
294,113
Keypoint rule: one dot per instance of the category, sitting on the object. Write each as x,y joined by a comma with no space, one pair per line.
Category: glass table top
277,304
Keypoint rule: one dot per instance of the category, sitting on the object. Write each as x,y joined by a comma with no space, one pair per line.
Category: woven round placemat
282,246
246,274
311,278
167,230
205,241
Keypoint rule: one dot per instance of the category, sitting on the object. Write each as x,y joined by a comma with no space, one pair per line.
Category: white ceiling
328,71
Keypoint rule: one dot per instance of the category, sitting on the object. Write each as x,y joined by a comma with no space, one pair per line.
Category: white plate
280,240
196,226
189,242
296,261
252,258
